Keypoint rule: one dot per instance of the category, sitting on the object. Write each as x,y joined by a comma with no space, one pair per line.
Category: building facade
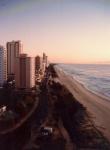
45,59
25,71
38,63
14,49
3,65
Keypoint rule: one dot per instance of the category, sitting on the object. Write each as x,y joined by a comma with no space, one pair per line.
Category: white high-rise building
14,49
25,71
3,65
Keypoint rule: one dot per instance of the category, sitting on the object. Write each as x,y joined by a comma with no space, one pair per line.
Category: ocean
94,77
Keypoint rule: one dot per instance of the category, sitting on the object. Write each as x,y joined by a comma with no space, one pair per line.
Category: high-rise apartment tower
25,71
14,49
3,65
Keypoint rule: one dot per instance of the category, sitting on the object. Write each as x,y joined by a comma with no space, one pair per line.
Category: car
46,131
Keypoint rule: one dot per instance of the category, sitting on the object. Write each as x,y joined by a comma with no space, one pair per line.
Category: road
39,117
16,139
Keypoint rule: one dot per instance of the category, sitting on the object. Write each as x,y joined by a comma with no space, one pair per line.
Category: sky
68,31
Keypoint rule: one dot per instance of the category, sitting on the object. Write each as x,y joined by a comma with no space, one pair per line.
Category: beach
98,108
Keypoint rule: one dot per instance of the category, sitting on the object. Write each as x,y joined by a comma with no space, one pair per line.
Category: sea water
94,77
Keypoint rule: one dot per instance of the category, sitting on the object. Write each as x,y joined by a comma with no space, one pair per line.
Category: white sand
97,106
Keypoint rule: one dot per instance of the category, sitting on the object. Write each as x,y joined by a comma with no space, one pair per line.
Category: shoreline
98,107
107,98
93,92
